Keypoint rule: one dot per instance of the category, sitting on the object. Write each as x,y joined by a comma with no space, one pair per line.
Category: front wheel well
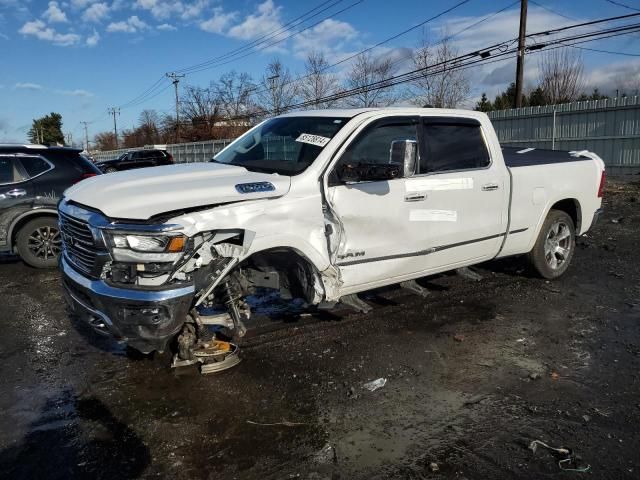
22,221
296,276
571,207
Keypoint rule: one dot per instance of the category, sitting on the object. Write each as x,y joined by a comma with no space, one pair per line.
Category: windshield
286,145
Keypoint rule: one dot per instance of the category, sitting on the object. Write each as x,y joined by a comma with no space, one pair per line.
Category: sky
81,57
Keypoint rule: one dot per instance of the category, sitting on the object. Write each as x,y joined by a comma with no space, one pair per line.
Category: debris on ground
375,384
433,466
567,461
534,376
555,375
284,423
458,338
326,454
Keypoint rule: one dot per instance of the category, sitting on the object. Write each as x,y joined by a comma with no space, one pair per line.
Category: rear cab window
452,144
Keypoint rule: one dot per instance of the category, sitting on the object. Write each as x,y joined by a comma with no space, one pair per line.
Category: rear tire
39,243
555,246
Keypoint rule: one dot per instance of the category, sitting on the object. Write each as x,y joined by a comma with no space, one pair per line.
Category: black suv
137,159
32,179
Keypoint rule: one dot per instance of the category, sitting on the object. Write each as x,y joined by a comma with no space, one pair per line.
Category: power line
611,52
286,27
620,4
272,44
555,12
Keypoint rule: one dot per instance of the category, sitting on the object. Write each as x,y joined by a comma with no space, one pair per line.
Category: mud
474,373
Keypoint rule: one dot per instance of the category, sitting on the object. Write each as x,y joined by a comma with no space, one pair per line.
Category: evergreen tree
47,130
484,105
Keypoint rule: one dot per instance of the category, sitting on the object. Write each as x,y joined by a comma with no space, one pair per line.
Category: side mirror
405,153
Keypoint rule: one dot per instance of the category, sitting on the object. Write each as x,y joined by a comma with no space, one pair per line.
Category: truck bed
525,157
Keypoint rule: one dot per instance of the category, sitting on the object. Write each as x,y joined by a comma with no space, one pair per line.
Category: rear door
466,196
16,194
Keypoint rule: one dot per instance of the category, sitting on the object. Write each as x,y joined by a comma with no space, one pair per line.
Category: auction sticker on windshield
316,140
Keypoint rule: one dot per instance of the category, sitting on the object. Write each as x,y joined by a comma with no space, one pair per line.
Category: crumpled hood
146,192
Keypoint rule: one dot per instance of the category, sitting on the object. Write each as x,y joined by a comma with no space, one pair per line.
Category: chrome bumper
145,319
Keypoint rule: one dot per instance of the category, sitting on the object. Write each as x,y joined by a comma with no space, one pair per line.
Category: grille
78,242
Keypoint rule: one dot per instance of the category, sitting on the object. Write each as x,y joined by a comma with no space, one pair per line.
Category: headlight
142,248
149,243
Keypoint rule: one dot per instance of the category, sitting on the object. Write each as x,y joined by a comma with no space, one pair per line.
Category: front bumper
145,319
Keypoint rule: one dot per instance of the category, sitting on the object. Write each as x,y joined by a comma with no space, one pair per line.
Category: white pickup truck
320,205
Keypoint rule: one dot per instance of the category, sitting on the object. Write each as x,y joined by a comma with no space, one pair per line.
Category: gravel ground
475,373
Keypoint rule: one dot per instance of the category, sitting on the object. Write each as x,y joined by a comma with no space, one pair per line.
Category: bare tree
200,108
317,83
234,94
105,141
561,76
439,83
277,91
147,131
369,78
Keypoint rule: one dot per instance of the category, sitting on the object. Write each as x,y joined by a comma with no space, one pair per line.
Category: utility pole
86,136
521,45
175,79
276,104
113,111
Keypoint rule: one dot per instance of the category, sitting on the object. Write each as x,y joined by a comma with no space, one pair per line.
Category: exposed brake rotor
213,356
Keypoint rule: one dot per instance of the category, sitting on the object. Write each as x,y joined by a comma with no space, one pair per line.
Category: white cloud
38,29
93,39
329,37
27,86
194,10
75,93
254,26
54,14
219,22
132,25
160,9
3,36
96,12
166,27
623,76
80,4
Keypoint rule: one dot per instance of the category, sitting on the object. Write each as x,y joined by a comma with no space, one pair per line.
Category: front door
16,194
376,238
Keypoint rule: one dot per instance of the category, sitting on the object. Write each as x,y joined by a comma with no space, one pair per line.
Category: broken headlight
129,247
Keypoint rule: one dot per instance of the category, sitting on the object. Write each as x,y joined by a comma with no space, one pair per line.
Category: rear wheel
555,246
39,242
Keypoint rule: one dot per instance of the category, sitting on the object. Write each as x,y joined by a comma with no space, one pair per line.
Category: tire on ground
541,260
22,242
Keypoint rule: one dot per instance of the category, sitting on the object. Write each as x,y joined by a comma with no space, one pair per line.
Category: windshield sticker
316,140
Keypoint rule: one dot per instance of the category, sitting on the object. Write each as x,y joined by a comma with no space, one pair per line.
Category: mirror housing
404,153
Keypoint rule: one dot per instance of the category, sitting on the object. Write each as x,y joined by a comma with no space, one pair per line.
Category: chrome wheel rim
557,245
45,243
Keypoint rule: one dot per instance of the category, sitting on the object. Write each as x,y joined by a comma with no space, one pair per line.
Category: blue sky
79,57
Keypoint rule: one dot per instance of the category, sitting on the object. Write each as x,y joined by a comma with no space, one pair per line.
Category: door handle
16,192
489,187
415,197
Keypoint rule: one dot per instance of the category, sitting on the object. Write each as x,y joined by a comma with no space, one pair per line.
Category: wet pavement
475,373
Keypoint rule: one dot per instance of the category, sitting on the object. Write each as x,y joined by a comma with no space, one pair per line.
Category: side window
453,147
373,146
8,171
34,166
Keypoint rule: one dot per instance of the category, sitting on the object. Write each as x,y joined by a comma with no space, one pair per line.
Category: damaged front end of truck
153,287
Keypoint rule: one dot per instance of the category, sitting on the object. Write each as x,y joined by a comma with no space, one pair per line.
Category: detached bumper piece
145,319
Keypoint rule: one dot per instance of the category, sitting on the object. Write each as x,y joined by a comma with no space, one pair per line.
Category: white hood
142,193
